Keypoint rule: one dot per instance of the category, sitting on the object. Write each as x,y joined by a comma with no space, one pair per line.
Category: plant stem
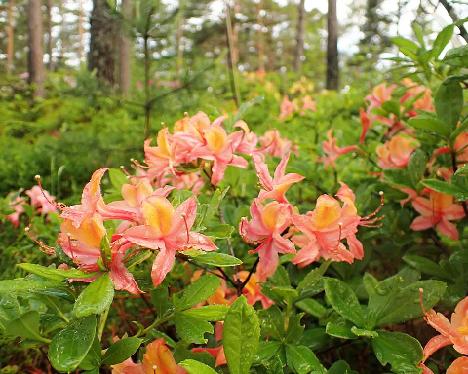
156,323
231,62
240,286
102,323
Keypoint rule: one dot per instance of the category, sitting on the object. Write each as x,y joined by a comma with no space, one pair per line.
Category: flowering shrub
232,250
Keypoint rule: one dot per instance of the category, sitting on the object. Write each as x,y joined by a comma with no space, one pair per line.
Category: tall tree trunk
299,50
332,47
35,55
81,31
103,40
49,33
11,36
125,47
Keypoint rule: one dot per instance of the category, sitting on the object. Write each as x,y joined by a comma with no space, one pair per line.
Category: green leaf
160,299
417,166
121,350
220,231
392,106
266,350
208,312
340,367
54,274
213,258
22,286
240,336
344,301
449,102
302,360
117,178
272,322
71,345
312,279
430,123
192,329
340,328
406,46
419,33
92,360
363,332
25,326
425,266
401,351
396,299
197,292
95,298
441,41
312,307
445,187
196,367
457,57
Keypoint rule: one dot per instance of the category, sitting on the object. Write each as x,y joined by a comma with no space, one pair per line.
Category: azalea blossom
268,223
219,147
452,332
365,123
216,352
286,109
380,94
252,290
42,200
323,229
460,146
167,229
396,152
249,139
273,144
158,359
18,206
83,245
332,151
275,188
421,96
162,158
308,104
436,212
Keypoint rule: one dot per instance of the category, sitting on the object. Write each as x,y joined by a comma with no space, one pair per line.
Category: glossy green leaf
213,258
430,123
302,360
196,367
25,326
457,57
441,41
95,298
208,312
401,351
121,350
192,329
240,336
312,307
449,102
344,301
406,46
71,345
53,273
417,166
220,231
196,292
425,266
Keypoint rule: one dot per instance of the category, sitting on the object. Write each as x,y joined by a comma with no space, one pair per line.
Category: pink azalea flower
453,332
332,151
422,97
437,212
268,223
273,144
461,147
83,245
161,158
326,226
91,201
168,229
396,152
308,104
219,147
275,188
286,109
366,124
18,205
248,141
42,200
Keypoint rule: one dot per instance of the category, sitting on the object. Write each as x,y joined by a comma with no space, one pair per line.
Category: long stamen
421,301
186,227
368,218
44,247
37,177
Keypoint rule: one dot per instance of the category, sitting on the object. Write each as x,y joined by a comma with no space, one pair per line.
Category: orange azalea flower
272,143
437,212
252,290
158,359
453,332
332,151
396,152
461,147
216,352
422,94
380,94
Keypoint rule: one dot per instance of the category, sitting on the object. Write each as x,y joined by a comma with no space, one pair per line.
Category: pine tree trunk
103,41
299,51
10,36
235,34
125,47
35,56
81,31
49,33
332,47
